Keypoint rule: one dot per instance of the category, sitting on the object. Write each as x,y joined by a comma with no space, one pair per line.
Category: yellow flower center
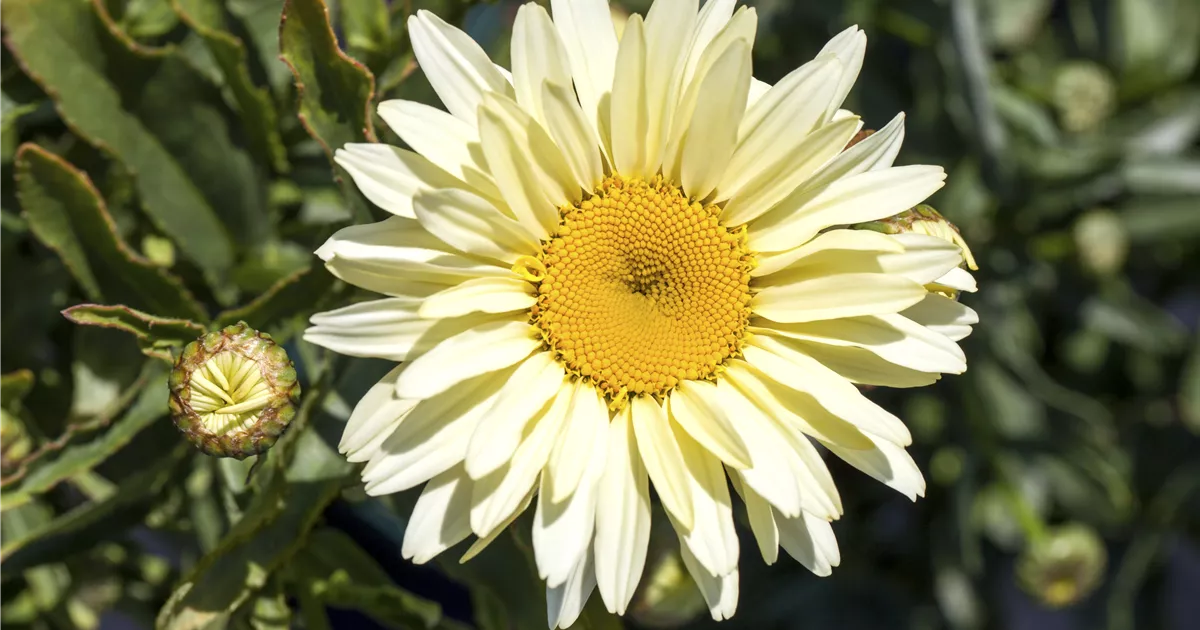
642,289
228,391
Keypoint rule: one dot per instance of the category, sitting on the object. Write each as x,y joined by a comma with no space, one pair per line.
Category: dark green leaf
66,213
14,386
369,36
152,111
207,18
290,296
157,336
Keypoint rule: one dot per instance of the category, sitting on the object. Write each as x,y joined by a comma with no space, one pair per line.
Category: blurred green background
171,157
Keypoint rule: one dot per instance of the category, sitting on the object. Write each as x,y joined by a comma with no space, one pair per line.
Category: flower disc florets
233,392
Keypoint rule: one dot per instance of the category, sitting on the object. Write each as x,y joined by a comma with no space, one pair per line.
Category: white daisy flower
619,267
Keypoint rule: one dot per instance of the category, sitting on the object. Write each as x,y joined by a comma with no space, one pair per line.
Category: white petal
958,279
848,240
836,296
720,592
810,541
757,90
570,130
893,337
663,459
432,437
713,18
695,407
669,29
630,114
480,350
439,520
876,152
622,518
802,373
780,121
389,176
712,537
482,542
530,170
925,259
863,367
562,531
943,315
497,495
711,137
385,329
888,463
587,31
538,380
538,56
481,295
472,225
378,411
761,517
787,167
850,46
868,196
565,602
457,68
771,475
587,425
448,142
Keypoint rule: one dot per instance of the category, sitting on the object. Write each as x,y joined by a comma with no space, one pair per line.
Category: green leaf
368,32
261,122
293,295
150,406
273,528
1132,320
66,213
10,113
339,573
14,386
84,526
157,336
154,112
1189,390
335,91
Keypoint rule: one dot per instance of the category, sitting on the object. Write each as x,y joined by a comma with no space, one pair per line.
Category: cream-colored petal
712,537
481,295
530,170
720,592
385,329
448,142
482,542
432,437
390,176
850,46
663,459
943,315
757,90
694,406
587,32
780,120
761,517
836,296
771,475
457,68
538,382
833,240
482,349
622,517
926,259
713,19
587,425
498,494
472,225
570,131
888,463
878,151
711,138
863,367
958,279
891,336
564,603
784,169
439,520
377,411
562,531
868,196
669,28
538,56
810,541
630,115
787,366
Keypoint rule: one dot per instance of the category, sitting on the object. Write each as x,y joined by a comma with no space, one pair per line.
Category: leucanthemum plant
629,264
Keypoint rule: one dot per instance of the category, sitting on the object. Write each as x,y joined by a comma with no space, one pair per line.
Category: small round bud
1084,94
1063,566
1102,241
233,392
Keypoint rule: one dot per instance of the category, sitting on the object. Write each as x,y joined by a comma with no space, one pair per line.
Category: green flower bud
1101,241
233,392
667,597
1084,94
1063,566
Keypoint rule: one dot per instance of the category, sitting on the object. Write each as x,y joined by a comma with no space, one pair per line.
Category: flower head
233,392
620,266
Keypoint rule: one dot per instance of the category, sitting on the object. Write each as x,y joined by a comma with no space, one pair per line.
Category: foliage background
160,156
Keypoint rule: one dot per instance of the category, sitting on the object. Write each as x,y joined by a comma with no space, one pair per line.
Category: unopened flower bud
233,392
923,219
1063,566
1102,242
1084,94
